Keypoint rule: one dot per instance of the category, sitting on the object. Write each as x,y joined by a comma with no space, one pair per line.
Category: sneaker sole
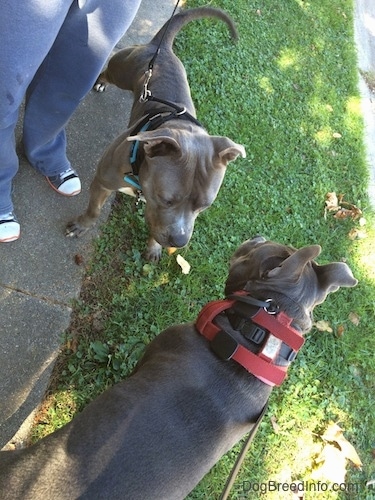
60,192
10,239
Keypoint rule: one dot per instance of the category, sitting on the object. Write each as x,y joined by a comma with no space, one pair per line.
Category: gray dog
166,155
191,397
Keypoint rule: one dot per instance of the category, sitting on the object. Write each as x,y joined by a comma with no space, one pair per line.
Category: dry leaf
332,202
323,326
335,434
332,465
171,250
340,330
184,264
357,234
354,318
78,259
342,208
275,425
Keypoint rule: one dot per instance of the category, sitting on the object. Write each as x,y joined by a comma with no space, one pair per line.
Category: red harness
261,365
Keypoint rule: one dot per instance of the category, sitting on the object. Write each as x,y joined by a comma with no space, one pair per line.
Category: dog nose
178,240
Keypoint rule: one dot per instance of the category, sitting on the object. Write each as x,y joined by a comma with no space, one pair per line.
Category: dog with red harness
199,388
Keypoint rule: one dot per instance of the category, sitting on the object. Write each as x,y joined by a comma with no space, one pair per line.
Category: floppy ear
332,276
292,267
156,142
227,150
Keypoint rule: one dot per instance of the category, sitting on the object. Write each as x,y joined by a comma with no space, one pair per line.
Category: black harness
152,121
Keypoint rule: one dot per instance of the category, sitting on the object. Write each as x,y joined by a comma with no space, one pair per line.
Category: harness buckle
146,93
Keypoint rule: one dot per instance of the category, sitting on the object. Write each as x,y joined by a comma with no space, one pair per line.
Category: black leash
241,457
146,94
151,63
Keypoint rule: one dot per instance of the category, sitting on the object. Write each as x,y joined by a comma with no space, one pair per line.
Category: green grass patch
287,91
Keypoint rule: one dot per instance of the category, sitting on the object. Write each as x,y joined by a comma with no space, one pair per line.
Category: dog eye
168,203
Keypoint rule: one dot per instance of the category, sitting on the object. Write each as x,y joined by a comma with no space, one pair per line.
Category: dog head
288,276
180,175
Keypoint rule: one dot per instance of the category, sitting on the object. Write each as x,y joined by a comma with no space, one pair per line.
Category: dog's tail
169,30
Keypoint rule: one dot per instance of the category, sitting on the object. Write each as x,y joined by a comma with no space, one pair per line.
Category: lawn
287,91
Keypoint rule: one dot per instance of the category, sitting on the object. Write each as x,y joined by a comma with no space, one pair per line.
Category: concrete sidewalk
40,277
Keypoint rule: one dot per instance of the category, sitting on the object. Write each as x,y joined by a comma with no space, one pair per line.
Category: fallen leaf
78,259
275,425
340,330
331,465
357,234
184,264
332,202
323,326
335,434
362,221
354,318
344,213
171,250
336,135
343,209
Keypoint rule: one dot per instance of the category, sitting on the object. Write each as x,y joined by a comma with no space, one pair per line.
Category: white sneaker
66,183
9,228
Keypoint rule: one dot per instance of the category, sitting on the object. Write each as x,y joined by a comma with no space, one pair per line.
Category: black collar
154,120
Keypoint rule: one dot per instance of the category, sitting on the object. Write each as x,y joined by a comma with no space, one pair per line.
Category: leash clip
271,307
146,92
138,198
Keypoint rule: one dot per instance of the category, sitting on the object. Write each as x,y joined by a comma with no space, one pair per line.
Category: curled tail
171,28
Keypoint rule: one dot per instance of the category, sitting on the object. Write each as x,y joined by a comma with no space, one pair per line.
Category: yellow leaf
335,434
357,234
332,465
171,250
354,318
184,264
323,326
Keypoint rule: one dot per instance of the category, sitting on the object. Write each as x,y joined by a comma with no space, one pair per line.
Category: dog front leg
153,252
98,196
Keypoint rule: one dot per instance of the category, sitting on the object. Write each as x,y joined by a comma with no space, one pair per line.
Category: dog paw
153,252
74,230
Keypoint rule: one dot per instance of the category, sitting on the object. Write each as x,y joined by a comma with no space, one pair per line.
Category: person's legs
28,29
90,31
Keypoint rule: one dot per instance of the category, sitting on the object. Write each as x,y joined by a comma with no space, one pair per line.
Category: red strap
279,326
208,313
260,366
262,369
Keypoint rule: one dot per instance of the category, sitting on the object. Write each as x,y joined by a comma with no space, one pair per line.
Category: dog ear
227,150
332,276
156,142
293,266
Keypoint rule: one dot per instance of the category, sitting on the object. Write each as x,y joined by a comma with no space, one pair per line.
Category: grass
288,92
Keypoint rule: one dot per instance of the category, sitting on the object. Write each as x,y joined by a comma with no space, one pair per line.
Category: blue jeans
51,54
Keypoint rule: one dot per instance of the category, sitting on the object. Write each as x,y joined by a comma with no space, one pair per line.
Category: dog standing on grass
198,389
166,155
